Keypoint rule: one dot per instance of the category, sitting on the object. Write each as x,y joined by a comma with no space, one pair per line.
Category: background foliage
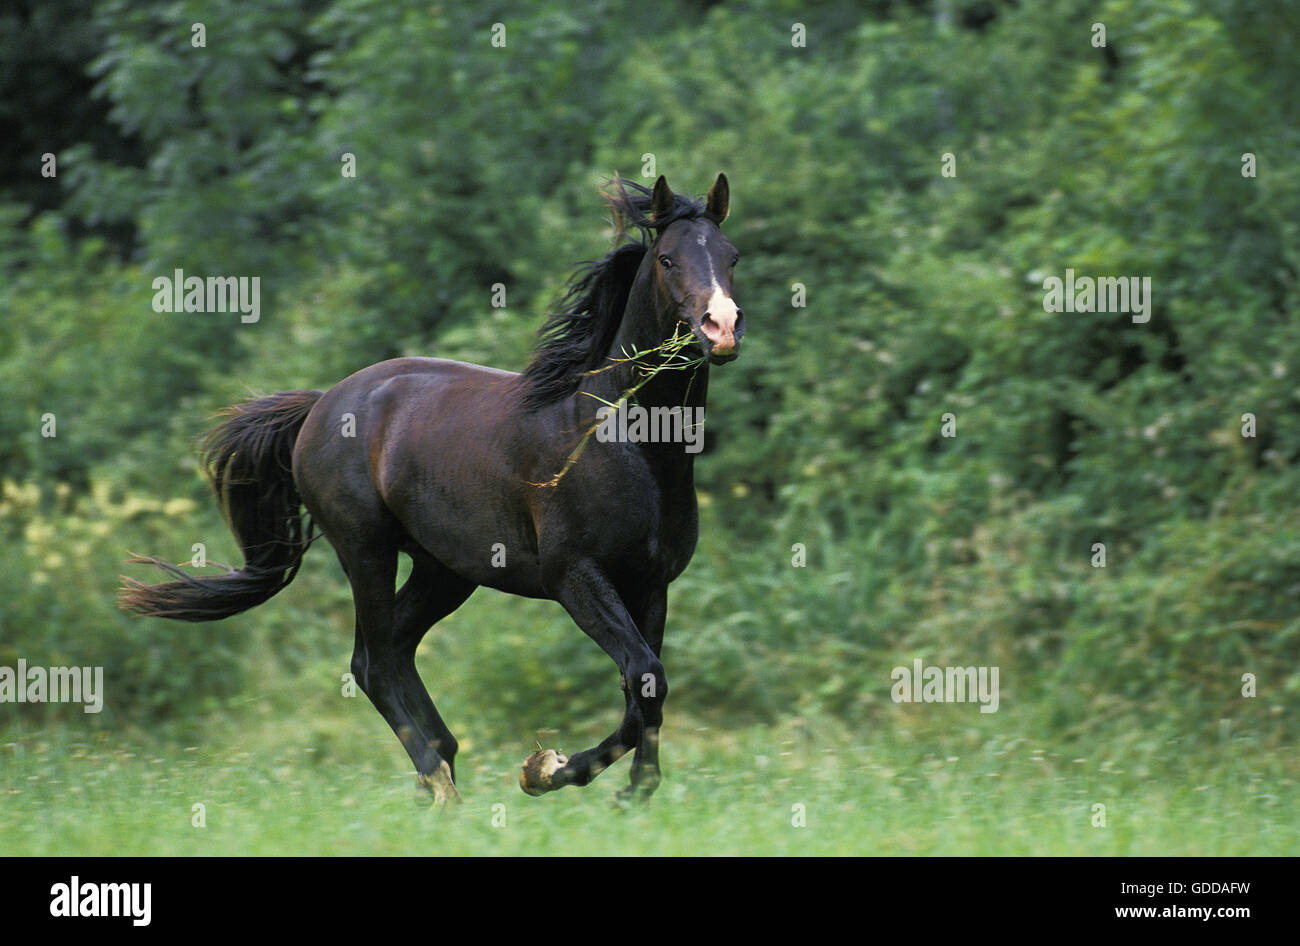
478,165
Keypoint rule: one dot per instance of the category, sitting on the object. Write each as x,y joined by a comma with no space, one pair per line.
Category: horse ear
662,201
719,199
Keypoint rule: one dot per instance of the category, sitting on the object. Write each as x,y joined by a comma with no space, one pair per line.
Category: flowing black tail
248,457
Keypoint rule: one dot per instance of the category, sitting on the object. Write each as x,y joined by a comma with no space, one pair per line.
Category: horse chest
666,533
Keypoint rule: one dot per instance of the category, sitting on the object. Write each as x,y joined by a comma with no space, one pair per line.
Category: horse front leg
645,763
596,607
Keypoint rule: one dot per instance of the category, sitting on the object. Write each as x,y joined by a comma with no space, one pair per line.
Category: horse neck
640,330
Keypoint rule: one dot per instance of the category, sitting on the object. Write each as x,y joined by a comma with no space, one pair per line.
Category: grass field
340,786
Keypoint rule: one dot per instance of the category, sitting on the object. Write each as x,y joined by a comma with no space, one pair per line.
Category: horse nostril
740,324
718,333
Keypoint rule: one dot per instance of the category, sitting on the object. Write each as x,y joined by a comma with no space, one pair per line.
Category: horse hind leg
430,593
389,627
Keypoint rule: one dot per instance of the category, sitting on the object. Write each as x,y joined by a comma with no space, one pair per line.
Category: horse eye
735,260
665,262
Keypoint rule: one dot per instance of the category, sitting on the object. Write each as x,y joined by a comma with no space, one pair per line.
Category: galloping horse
452,462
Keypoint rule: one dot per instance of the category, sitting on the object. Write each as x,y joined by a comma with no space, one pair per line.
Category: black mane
577,336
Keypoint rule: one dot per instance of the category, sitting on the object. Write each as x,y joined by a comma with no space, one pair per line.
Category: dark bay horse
456,465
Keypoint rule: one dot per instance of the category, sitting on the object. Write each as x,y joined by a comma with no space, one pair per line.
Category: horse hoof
637,793
440,786
535,776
